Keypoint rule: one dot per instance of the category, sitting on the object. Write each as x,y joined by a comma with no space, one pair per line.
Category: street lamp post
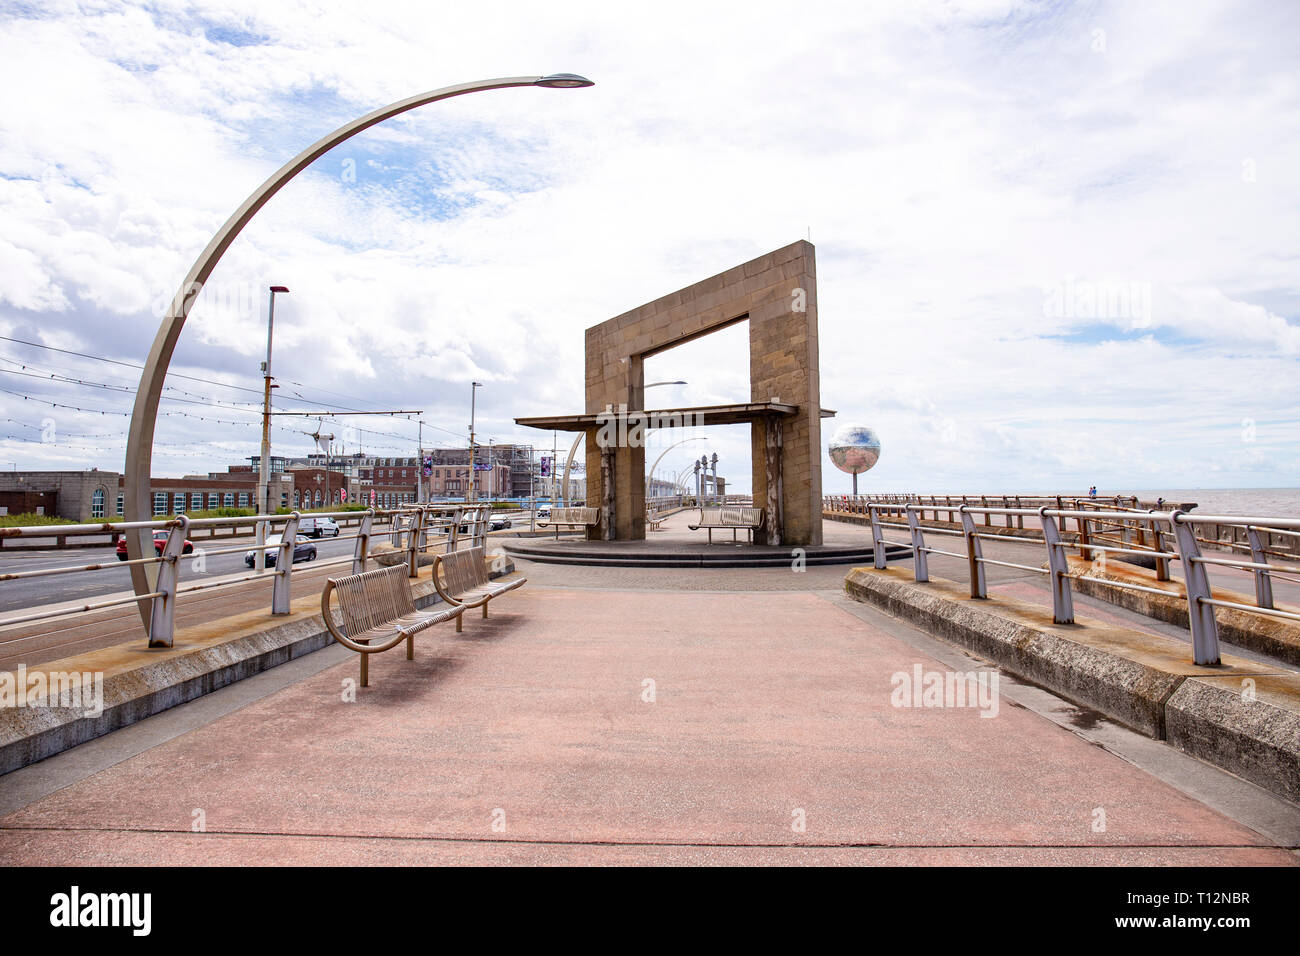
144,415
471,493
264,464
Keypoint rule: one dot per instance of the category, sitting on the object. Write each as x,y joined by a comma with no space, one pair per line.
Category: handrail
409,526
1128,524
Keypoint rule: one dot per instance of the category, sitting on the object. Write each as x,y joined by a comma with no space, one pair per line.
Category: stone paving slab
766,703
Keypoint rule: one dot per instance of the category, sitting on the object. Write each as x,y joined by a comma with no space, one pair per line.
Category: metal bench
751,519
378,613
467,584
571,518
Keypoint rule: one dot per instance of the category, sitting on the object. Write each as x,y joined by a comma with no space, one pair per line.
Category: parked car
313,527
498,522
159,542
302,551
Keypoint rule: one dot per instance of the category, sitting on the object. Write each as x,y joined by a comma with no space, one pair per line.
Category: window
228,499
212,499
243,499
178,503
159,503
196,501
297,497
121,502
97,503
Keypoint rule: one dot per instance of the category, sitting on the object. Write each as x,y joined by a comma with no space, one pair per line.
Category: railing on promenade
1218,532
414,528
1142,533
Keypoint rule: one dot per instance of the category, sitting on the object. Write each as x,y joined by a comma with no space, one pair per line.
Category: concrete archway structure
777,294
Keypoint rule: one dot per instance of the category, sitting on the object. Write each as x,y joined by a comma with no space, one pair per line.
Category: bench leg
459,620
410,647
365,670
485,604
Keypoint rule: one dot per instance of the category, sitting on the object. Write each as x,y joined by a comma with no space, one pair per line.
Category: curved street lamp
573,450
144,416
650,480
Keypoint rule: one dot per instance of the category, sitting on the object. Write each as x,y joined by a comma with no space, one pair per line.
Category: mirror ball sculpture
854,449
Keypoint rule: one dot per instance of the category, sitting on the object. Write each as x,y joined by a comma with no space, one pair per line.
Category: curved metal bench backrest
742,516
464,570
577,515
373,598
710,515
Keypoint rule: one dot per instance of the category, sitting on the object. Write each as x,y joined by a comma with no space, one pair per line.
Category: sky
1057,244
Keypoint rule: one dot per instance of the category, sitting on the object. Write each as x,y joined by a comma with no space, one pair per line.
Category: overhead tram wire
198,399
100,358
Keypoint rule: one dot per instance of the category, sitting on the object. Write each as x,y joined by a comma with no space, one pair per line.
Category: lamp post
264,463
471,494
144,415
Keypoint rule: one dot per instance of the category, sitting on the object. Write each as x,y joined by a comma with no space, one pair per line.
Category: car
159,542
498,522
302,551
313,527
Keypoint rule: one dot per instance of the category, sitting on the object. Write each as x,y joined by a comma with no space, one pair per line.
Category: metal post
471,494
280,595
1158,545
877,539
1059,568
920,564
363,541
413,538
978,586
1205,632
1263,583
162,616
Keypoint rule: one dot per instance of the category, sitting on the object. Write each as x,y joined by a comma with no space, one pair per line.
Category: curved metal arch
144,415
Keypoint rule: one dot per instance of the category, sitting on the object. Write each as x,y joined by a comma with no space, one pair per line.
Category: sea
1257,502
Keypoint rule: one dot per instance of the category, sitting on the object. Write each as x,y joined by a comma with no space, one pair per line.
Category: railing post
1084,551
877,539
1059,568
920,564
1158,545
978,586
413,536
1020,519
280,589
1263,583
162,615
453,533
1205,632
363,541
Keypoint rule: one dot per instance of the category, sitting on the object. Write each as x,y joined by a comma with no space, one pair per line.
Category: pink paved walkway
766,703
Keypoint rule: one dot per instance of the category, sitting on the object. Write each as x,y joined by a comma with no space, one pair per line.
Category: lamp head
564,81
279,288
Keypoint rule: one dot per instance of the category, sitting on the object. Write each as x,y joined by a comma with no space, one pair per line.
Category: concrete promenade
531,738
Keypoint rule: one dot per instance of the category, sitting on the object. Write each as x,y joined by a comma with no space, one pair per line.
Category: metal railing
410,528
1143,533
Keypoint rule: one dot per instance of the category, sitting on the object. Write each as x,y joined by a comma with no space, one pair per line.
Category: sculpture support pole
144,416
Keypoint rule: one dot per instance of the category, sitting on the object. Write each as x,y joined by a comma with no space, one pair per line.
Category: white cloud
951,160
